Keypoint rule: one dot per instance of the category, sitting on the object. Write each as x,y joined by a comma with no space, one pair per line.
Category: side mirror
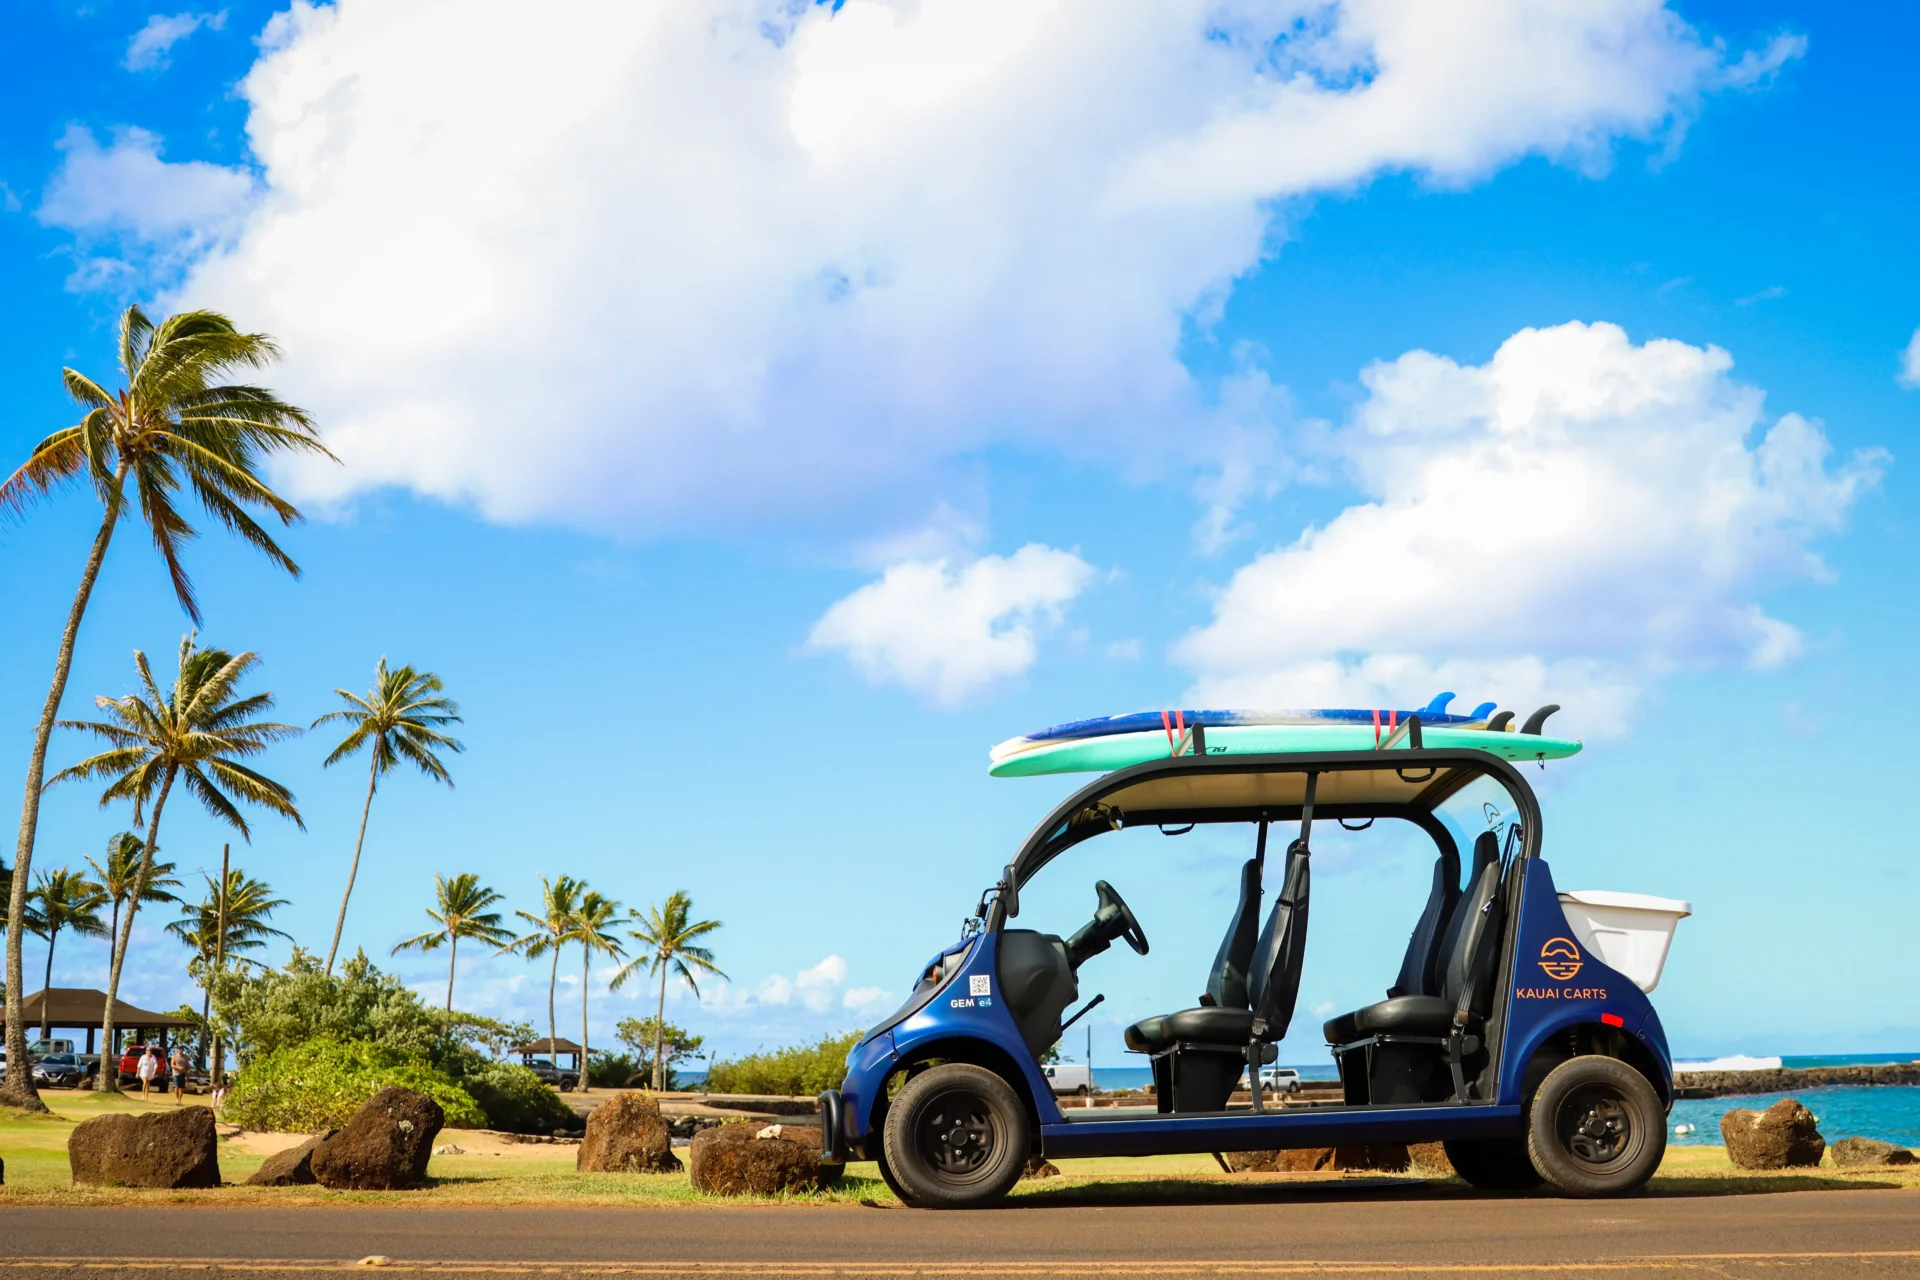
1009,892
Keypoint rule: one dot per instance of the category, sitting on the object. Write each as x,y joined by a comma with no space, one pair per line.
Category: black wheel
1493,1164
957,1137
1596,1128
887,1176
566,1086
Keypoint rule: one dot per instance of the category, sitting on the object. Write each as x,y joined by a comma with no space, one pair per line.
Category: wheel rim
956,1135
1596,1126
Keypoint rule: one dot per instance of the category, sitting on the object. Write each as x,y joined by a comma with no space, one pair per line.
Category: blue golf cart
1501,1034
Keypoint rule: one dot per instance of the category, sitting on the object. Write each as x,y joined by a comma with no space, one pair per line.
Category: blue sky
755,411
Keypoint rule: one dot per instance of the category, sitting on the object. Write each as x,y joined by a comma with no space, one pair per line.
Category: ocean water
1888,1112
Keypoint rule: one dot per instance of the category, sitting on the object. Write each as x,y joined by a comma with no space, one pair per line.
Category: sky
755,409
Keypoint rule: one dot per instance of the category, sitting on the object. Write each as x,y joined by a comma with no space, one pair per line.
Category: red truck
130,1066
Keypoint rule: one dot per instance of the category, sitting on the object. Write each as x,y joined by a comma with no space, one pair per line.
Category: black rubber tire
1596,1128
957,1137
1493,1164
886,1176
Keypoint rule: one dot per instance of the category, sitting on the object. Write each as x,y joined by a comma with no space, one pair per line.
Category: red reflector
1613,1020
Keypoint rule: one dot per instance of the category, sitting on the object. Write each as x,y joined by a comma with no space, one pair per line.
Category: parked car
1280,1079
1074,1078
130,1067
562,1078
39,1047
62,1071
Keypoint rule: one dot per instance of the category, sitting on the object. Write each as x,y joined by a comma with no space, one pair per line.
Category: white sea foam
1738,1062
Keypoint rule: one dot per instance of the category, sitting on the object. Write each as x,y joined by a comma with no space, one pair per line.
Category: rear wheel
1493,1164
1596,1128
957,1136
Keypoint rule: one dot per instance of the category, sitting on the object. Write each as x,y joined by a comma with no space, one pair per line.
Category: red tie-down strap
1174,722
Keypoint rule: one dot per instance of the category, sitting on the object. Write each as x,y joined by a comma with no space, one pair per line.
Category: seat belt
1256,1044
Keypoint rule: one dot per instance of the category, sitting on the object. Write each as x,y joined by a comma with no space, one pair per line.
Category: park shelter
83,1009
551,1048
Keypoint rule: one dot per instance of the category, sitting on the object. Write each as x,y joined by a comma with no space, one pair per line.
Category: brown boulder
384,1147
1039,1167
627,1135
1388,1156
1783,1136
735,1160
292,1167
176,1148
1856,1152
1429,1159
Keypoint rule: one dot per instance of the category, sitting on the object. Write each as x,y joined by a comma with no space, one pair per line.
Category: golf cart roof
1179,790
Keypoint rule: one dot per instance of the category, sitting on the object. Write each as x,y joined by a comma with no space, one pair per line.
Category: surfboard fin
1438,707
1482,711
1500,722
1538,720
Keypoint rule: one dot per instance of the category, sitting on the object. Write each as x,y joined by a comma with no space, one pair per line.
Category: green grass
35,1150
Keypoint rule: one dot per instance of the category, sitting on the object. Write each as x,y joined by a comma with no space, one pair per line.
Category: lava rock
735,1160
1856,1152
1784,1136
1390,1157
292,1167
384,1147
175,1148
627,1135
1039,1167
1429,1159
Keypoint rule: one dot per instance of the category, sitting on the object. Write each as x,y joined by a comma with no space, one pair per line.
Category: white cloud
712,263
947,632
151,46
135,214
867,1001
1909,375
1563,523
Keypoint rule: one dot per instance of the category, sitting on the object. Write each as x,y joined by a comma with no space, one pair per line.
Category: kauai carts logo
1560,958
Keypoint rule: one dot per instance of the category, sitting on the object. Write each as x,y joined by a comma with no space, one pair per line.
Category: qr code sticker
979,984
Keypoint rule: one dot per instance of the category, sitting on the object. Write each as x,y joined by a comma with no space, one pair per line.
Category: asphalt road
1329,1230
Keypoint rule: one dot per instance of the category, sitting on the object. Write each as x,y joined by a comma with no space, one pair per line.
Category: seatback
1470,966
1227,981
1416,967
1282,947
1486,853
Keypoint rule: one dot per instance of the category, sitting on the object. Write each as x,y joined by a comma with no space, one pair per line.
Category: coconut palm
559,900
463,903
196,734
64,900
217,931
400,718
123,867
590,928
670,941
173,425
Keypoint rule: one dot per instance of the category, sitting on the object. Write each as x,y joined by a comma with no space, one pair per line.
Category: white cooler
1629,932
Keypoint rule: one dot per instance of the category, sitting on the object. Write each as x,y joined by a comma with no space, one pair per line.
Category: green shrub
799,1070
320,1084
515,1099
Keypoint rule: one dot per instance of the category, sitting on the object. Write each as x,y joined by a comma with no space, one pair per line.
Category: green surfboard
1117,751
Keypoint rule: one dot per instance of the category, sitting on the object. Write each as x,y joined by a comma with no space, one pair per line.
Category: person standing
148,1068
179,1069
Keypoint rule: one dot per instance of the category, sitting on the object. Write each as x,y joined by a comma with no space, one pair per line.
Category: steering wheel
1114,907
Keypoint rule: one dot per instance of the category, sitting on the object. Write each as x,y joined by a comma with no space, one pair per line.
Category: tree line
178,426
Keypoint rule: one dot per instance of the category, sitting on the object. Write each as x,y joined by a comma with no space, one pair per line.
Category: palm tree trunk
206,1025
110,1074
660,1035
586,969
373,773
18,1089
46,986
453,953
553,980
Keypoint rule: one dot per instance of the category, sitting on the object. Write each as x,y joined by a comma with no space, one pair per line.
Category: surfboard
1434,714
1106,752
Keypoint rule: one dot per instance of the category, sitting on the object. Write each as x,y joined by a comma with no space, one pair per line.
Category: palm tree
218,930
589,928
173,424
463,913
559,899
123,867
401,719
195,734
64,900
669,940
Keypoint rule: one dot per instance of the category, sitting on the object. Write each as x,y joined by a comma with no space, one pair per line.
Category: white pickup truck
1071,1078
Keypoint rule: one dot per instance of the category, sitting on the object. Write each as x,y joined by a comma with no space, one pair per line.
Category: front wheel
957,1137
1596,1128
